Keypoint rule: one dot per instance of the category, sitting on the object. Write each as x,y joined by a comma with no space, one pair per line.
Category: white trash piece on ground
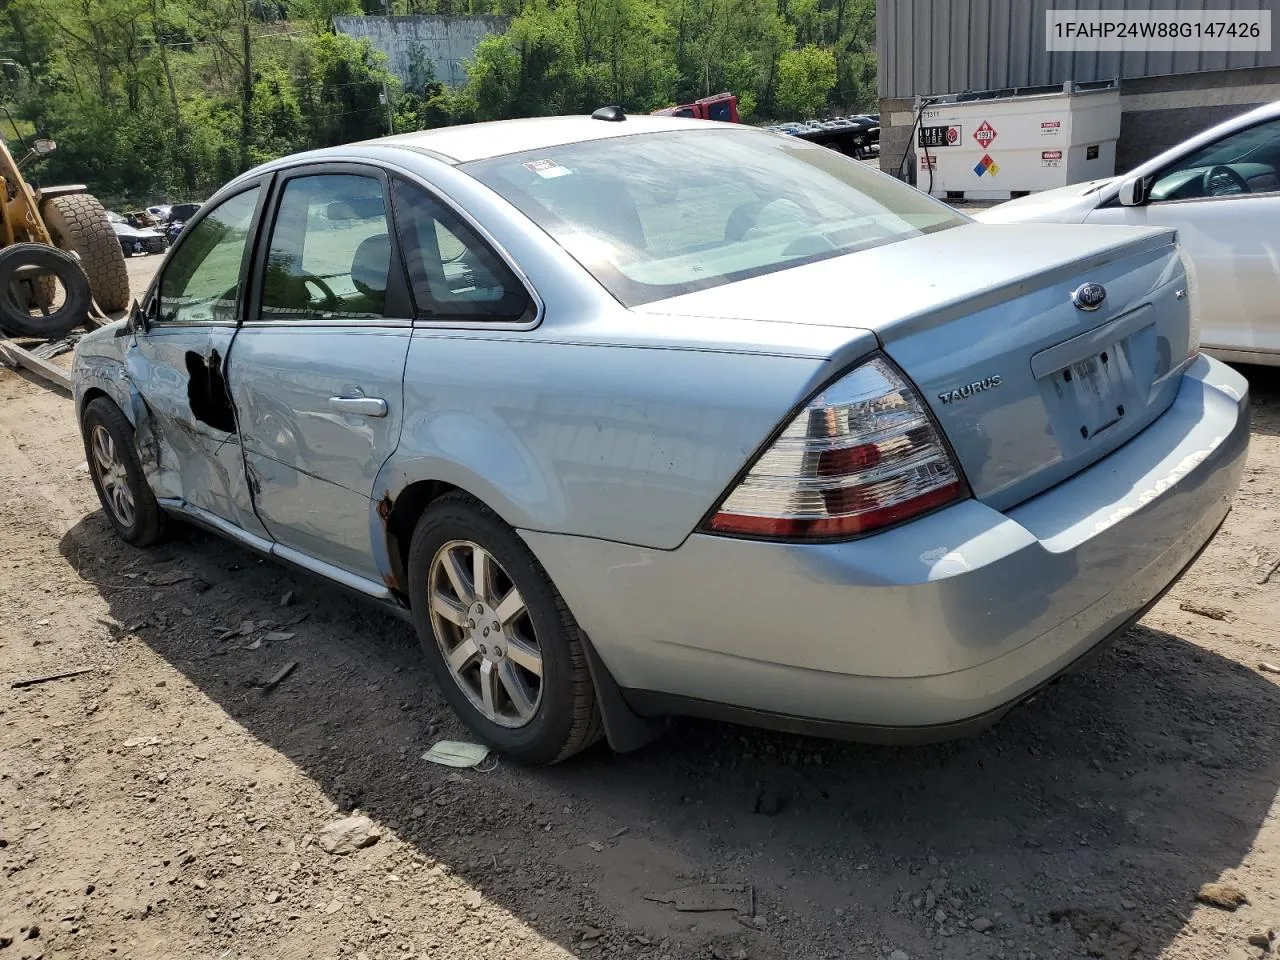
455,753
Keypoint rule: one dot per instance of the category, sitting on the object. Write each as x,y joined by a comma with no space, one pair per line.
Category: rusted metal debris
21,357
49,678
32,362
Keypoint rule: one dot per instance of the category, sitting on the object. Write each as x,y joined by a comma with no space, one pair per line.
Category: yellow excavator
52,236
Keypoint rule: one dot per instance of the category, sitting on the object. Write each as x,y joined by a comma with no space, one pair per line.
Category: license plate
1095,392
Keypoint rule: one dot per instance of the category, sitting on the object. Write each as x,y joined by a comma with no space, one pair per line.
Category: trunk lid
1027,387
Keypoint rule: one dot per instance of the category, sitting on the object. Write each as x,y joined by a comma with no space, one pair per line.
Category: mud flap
623,728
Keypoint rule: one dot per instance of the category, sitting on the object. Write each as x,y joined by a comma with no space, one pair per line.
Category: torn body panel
186,426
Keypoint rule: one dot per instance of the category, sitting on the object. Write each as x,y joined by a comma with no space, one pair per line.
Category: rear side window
455,274
721,110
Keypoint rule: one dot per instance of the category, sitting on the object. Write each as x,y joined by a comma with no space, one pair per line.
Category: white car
1221,191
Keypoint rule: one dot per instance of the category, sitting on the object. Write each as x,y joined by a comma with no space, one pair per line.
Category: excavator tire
78,223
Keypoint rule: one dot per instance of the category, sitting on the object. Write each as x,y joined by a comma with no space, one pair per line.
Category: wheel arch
395,518
90,395
407,490
101,376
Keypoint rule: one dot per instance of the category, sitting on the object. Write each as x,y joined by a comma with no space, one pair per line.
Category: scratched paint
944,563
1161,486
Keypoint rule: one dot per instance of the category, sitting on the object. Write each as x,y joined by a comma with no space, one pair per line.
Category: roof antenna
613,114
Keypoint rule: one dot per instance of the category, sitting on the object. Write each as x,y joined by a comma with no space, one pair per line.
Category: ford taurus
641,416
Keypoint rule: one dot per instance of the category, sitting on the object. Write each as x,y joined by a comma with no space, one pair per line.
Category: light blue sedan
643,416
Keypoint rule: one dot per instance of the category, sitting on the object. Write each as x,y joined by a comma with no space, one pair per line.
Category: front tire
498,637
117,474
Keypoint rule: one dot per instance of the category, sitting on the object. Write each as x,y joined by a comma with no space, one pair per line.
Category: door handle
359,406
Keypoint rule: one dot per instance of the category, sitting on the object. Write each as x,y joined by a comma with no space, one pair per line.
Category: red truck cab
722,106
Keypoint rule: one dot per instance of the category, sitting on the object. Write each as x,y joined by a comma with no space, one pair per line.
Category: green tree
339,83
157,99
805,79
494,75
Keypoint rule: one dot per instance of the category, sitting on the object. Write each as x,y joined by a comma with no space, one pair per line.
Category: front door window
201,281
1247,161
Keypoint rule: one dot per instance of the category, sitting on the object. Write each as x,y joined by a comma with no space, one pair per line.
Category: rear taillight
861,455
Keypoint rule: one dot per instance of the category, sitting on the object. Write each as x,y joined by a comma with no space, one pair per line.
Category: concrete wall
897,116
412,42
1160,112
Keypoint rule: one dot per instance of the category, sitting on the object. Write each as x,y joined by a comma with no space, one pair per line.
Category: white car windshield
657,215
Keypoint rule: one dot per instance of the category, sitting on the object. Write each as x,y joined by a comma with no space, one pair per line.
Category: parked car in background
136,239
160,212
182,212
141,219
1221,191
595,411
179,214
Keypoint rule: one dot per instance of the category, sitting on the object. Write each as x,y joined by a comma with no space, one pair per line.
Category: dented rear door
317,368
187,433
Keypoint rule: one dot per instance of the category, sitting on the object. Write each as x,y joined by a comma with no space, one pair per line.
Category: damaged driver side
177,366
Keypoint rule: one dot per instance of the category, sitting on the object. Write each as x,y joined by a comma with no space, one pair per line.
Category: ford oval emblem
1089,296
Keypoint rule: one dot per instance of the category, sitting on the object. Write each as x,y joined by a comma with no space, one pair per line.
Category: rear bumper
941,622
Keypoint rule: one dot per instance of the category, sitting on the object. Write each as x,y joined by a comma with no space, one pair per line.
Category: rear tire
538,649
117,472
78,223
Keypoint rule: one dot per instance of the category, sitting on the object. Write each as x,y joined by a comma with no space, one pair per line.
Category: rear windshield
657,215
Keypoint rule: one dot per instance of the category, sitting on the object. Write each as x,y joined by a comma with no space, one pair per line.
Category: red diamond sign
985,134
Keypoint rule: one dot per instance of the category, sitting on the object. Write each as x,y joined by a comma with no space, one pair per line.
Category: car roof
479,141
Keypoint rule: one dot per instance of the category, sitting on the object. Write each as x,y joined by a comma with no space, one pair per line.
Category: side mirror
1133,192
136,320
44,147
141,318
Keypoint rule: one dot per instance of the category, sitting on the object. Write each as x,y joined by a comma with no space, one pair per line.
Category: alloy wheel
112,475
484,633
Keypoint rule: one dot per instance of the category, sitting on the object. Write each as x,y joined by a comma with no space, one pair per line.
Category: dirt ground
163,806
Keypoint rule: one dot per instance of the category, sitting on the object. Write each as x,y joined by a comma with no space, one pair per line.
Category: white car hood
1069,204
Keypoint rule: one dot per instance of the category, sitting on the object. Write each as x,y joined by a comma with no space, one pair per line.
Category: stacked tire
25,309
